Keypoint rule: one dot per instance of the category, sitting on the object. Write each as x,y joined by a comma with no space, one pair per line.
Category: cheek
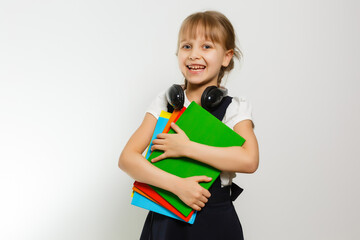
222,59
181,65
181,60
215,59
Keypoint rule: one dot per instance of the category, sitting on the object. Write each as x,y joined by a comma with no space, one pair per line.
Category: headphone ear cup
212,97
175,96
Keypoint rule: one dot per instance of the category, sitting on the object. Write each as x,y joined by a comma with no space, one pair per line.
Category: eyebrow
192,39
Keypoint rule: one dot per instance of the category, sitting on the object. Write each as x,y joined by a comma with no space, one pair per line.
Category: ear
227,57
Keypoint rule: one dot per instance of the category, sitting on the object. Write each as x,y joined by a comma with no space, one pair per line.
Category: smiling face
206,46
200,59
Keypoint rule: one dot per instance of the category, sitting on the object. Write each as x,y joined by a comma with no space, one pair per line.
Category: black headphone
210,99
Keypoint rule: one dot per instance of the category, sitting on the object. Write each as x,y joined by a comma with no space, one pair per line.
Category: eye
207,46
186,46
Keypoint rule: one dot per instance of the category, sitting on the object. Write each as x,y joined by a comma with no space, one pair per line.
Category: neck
194,92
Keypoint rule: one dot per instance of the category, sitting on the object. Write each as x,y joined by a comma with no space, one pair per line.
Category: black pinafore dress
216,221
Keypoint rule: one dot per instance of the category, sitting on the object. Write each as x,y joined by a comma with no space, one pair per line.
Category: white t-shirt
238,110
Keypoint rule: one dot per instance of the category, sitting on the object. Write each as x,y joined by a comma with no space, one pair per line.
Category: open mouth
195,67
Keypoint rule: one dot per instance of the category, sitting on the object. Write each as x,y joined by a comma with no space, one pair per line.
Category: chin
202,84
195,82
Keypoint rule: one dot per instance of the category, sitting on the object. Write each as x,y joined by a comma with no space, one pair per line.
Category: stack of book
201,127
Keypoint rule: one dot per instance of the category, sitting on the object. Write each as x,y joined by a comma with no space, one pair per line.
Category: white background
77,76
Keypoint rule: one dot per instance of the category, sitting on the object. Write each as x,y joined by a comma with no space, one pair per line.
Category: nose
194,54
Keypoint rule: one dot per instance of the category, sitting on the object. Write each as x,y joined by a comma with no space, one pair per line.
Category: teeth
195,67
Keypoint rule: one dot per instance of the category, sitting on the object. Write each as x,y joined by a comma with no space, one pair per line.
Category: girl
206,47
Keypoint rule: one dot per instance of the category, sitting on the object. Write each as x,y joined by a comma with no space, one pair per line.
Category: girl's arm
132,162
243,159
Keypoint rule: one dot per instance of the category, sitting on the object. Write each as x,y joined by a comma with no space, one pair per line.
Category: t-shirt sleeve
157,105
240,109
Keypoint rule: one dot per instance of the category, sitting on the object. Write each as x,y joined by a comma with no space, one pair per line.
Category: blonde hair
216,27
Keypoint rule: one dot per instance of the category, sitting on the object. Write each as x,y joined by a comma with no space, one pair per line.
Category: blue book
160,125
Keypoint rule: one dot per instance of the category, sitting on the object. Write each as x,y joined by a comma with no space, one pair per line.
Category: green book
201,127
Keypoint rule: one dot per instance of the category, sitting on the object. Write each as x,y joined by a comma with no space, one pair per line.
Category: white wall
77,76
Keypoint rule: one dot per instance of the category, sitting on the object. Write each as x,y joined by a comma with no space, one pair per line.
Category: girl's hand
172,145
191,193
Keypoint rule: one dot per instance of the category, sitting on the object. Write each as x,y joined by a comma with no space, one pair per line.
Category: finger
200,204
176,128
158,141
202,179
203,199
158,147
159,158
206,193
195,207
161,135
